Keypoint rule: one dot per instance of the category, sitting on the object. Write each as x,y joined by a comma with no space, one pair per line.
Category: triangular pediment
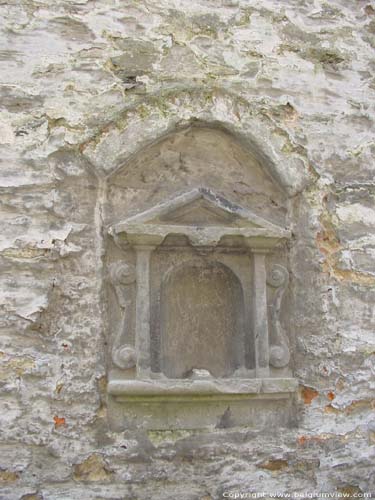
200,214
200,207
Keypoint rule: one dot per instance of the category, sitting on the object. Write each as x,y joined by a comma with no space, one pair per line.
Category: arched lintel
173,269
161,115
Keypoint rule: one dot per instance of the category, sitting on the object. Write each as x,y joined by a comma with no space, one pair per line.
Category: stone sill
218,389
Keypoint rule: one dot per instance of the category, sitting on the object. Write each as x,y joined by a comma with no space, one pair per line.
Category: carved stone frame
144,233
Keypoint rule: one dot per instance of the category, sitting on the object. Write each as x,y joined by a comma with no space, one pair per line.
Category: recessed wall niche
197,288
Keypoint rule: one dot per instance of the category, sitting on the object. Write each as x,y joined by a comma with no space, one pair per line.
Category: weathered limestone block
92,469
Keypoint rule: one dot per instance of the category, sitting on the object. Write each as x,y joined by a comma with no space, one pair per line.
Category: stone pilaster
142,328
260,317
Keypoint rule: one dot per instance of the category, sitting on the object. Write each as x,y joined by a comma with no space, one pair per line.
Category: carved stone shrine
199,340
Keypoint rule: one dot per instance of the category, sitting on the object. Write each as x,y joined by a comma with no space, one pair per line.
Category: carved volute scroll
279,350
122,276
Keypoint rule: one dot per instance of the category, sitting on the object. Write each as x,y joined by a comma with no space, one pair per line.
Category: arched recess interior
202,320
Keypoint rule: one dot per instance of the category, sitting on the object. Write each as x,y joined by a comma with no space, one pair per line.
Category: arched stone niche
197,258
202,320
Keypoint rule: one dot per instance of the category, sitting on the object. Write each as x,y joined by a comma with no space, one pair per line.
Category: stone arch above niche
163,114
202,320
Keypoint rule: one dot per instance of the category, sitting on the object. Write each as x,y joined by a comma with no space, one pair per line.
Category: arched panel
115,145
202,316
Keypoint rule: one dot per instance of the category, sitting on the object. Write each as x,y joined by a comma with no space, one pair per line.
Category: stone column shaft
260,317
142,322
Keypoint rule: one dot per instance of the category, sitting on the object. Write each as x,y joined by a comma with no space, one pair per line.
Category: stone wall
87,88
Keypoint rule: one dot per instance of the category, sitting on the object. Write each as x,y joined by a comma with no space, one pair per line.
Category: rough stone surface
91,90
